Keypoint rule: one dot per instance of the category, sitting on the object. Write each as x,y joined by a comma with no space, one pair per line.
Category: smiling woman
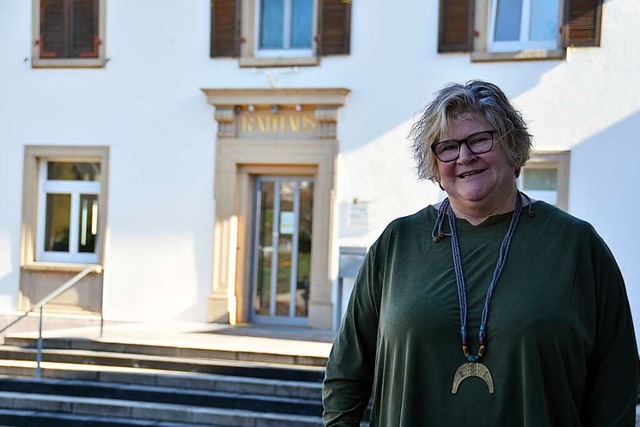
522,319
478,184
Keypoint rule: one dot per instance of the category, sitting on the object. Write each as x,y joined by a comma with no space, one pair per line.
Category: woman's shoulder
554,213
414,222
557,219
403,229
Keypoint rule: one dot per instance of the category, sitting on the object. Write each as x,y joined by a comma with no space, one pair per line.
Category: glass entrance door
282,249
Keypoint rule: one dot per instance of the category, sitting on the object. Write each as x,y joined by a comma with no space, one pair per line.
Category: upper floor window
268,33
518,29
523,24
285,28
68,33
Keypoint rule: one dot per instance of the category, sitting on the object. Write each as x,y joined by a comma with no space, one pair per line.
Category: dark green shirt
560,340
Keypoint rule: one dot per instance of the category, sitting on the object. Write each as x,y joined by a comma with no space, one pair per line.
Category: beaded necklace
473,367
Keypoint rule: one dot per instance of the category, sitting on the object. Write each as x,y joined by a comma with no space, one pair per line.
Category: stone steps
161,395
182,364
151,377
104,408
95,383
169,351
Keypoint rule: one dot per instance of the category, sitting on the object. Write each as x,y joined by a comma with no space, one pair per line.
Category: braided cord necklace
473,367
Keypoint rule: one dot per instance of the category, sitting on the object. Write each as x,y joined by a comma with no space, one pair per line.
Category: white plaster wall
11,65
147,106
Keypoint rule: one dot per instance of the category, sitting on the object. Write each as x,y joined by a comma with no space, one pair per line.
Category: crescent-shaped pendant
472,369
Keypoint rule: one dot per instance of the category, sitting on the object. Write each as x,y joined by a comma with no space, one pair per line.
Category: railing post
40,305
39,355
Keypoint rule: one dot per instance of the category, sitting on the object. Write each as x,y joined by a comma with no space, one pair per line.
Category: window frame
75,189
34,173
285,52
558,160
39,62
524,44
252,56
233,33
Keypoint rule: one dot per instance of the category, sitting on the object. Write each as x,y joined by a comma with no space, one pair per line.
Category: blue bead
470,358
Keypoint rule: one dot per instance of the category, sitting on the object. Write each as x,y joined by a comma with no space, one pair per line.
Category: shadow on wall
374,125
603,190
605,179
391,99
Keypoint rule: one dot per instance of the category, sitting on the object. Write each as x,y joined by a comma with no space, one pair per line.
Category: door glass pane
544,20
56,235
285,247
68,171
301,25
265,249
508,17
304,249
271,24
88,223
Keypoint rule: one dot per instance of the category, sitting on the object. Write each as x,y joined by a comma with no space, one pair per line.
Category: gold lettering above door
280,125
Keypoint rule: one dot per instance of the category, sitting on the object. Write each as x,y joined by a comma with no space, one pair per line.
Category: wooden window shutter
455,32
225,28
334,27
84,31
583,22
53,29
69,29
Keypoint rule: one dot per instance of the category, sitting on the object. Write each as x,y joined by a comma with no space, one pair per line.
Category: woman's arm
350,369
612,376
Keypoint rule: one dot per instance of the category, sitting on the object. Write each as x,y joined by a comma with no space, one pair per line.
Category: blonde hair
477,97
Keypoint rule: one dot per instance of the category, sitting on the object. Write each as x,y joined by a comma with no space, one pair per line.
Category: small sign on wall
354,218
287,222
357,215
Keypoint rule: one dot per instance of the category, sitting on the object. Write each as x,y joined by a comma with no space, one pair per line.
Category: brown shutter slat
225,28
334,27
84,39
455,32
583,22
53,37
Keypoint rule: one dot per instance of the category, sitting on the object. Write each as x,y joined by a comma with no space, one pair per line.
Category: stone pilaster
226,118
327,118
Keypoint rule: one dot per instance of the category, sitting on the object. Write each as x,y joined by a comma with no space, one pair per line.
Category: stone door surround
279,131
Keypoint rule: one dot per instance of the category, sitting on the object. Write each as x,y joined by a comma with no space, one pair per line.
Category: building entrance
281,254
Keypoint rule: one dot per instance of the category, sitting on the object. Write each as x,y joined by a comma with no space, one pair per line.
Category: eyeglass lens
477,143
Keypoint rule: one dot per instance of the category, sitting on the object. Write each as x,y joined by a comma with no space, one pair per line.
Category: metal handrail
44,301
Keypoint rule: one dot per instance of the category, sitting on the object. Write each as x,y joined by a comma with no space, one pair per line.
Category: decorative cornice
277,96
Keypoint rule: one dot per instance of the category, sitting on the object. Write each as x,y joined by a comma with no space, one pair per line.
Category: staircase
95,382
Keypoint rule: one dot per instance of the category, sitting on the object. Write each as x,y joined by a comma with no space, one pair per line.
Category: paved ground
267,339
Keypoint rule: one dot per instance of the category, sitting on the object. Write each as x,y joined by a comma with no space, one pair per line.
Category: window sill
69,63
279,62
525,55
59,267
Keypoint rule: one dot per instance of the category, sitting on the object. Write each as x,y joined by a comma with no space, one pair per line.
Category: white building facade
216,157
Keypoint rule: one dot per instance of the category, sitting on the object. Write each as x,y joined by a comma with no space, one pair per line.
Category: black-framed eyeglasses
477,143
